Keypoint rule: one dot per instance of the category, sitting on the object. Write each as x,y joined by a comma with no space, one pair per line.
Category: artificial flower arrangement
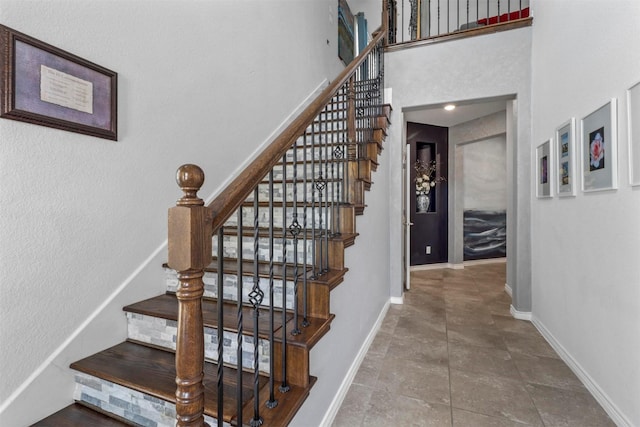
426,176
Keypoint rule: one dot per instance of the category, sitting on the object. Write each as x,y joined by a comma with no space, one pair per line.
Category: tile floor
452,355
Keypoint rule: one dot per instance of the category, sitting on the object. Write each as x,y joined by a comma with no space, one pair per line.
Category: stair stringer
358,304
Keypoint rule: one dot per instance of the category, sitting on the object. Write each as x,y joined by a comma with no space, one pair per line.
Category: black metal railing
433,18
279,233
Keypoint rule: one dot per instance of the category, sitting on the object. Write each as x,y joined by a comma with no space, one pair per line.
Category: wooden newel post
189,253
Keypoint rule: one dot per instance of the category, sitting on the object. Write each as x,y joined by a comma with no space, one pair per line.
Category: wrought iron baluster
272,402
240,319
305,320
284,387
314,192
220,331
334,145
325,230
255,298
294,229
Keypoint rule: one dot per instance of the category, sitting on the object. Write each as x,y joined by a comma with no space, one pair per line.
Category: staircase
249,277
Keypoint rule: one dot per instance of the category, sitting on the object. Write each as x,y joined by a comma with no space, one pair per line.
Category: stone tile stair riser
230,249
320,152
333,191
137,407
163,333
263,217
230,287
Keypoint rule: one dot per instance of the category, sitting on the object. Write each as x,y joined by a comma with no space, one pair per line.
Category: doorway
428,147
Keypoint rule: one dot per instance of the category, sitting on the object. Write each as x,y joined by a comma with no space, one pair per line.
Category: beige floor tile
354,407
562,408
388,409
493,396
422,381
548,371
489,361
453,350
463,418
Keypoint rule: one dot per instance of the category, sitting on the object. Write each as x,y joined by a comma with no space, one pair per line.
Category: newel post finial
190,178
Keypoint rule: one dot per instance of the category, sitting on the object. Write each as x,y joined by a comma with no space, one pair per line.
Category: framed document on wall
45,85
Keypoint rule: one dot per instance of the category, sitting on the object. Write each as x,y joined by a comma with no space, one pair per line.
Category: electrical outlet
428,250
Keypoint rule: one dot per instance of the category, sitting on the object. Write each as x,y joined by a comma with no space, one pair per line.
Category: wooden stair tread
77,415
166,307
152,371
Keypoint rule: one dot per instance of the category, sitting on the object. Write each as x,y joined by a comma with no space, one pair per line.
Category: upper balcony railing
413,20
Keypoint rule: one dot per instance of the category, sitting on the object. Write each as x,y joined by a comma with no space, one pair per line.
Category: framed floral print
565,153
599,149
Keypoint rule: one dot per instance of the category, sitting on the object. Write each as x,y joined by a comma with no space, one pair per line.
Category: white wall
473,68
83,220
586,286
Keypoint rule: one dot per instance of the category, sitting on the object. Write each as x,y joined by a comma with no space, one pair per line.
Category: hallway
452,355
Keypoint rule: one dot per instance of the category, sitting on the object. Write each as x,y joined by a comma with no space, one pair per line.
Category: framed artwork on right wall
599,149
633,120
565,153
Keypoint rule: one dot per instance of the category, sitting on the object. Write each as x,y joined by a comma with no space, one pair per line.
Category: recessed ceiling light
449,107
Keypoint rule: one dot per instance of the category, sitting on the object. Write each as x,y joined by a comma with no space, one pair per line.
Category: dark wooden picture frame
45,85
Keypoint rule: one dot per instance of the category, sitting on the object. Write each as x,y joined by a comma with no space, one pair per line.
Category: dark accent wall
429,229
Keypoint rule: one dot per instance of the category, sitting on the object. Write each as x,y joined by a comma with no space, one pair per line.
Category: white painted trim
334,407
486,261
397,300
425,267
520,315
49,360
508,290
600,395
457,266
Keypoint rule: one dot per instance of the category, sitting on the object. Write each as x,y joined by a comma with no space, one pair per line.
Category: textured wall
83,220
469,69
586,285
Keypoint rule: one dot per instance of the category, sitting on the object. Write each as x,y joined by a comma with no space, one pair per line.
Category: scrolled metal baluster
220,330
272,402
305,321
284,387
239,320
295,228
255,298
314,190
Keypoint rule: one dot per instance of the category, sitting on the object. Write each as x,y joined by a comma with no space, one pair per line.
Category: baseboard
520,315
486,261
334,407
508,290
397,300
603,399
437,266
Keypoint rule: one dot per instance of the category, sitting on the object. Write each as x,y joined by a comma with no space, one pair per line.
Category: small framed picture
543,170
599,149
633,120
44,85
565,153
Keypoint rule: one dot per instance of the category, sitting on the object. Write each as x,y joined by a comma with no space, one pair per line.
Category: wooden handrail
223,206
